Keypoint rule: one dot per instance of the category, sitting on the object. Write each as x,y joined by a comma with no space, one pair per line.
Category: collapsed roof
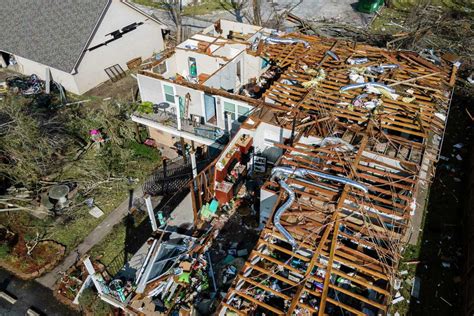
368,126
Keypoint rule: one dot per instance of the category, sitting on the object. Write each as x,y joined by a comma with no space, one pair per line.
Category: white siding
29,67
143,42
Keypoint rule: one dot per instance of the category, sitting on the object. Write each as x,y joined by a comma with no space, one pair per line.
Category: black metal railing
168,118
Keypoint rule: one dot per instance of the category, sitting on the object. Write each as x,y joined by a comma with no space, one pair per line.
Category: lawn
52,144
205,7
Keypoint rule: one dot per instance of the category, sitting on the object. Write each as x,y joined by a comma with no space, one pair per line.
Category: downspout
301,172
281,210
283,173
364,85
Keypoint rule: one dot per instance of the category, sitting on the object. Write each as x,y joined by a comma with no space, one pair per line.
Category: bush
4,251
144,151
145,107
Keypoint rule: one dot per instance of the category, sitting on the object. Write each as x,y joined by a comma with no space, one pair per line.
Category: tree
175,8
257,17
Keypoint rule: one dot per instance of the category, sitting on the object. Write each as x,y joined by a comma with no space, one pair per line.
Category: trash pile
26,85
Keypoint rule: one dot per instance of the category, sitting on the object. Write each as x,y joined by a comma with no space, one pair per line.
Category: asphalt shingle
51,32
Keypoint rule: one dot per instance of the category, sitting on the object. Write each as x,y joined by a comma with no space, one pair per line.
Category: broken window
161,68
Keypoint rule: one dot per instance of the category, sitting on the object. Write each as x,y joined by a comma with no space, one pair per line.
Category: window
230,108
161,68
243,111
169,93
192,67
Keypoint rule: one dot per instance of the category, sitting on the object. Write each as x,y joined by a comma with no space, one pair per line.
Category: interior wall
205,64
266,136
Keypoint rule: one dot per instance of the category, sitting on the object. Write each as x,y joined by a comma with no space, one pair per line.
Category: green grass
111,251
458,5
150,3
109,248
205,7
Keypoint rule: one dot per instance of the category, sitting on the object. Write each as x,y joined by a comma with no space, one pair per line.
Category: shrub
144,151
4,251
145,107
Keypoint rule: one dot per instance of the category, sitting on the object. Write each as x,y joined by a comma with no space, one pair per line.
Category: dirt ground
124,89
440,257
5,73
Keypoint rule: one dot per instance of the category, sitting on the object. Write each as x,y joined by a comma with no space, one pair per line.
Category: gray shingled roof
51,32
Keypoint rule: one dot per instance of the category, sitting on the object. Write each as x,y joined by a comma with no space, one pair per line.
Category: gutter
163,25
91,36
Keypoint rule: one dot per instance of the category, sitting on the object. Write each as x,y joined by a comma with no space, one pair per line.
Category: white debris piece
96,212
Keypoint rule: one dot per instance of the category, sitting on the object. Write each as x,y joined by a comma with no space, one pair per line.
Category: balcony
166,121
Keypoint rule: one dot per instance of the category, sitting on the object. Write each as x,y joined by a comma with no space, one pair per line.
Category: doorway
4,59
210,112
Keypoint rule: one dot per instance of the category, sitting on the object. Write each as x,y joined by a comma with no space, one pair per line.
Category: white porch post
151,214
229,123
47,79
193,163
178,114
90,269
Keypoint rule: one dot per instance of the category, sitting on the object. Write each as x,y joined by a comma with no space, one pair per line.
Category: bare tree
175,8
257,17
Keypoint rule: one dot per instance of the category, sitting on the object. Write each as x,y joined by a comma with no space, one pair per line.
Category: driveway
29,294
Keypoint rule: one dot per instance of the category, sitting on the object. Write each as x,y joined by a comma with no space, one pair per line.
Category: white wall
143,42
226,77
205,64
253,67
150,89
266,136
268,200
237,27
29,67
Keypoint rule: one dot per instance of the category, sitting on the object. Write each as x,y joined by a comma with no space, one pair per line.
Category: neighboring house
207,77
82,43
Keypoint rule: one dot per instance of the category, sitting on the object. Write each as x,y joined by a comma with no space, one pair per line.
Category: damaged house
78,44
342,140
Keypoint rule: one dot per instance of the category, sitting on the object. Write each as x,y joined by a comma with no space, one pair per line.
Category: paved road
29,294
102,230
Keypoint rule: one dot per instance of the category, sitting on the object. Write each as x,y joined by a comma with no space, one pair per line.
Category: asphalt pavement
29,294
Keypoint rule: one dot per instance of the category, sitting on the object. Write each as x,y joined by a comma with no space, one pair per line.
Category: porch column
193,163
151,214
178,115
229,123
90,269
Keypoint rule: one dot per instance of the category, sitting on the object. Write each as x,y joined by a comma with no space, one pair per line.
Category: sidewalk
102,230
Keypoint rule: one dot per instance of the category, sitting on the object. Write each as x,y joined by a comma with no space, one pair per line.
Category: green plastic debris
184,277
